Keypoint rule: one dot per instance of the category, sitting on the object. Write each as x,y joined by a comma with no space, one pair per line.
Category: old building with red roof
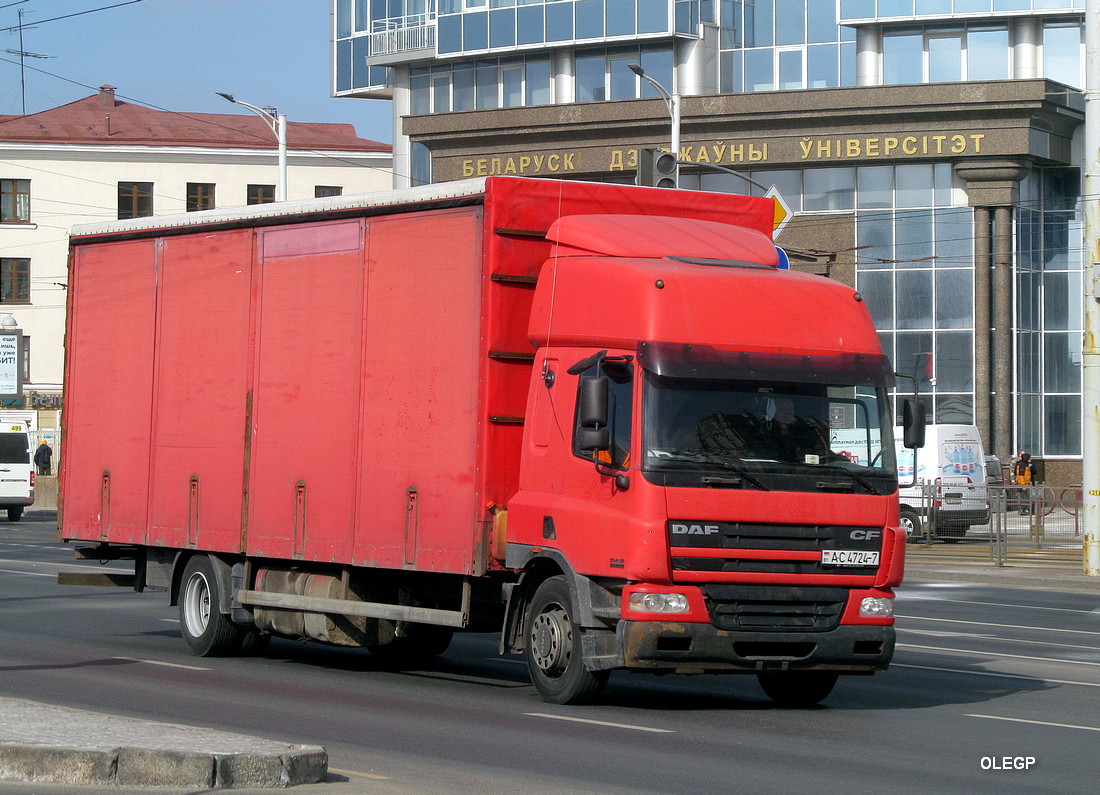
103,158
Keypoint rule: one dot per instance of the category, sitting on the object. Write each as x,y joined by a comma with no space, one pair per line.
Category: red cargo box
335,380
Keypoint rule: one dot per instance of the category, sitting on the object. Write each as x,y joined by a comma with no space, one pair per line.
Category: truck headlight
658,603
876,607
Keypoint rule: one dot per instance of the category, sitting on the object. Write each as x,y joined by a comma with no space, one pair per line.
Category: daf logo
694,529
865,535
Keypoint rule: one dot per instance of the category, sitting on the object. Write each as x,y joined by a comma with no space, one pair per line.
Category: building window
258,194
917,55
135,199
15,280
200,196
1062,52
605,74
487,84
15,201
320,191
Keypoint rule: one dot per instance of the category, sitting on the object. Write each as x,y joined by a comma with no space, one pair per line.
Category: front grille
774,608
776,539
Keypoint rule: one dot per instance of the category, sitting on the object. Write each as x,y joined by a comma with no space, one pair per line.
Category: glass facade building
913,248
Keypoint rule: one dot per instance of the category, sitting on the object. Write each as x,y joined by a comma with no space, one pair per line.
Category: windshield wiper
854,476
698,457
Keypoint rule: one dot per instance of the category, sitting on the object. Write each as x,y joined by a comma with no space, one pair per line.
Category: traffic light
657,169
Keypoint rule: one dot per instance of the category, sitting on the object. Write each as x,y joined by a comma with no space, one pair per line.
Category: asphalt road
984,679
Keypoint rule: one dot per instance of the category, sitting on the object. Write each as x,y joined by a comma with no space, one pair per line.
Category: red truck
592,418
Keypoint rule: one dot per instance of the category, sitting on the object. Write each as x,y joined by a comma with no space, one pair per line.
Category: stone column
992,190
983,388
1004,371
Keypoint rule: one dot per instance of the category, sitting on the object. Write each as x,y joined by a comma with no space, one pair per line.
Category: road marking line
165,664
1004,604
31,573
998,654
357,773
1037,722
994,673
1002,639
600,723
1006,626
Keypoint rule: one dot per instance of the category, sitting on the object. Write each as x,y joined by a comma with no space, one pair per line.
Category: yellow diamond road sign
782,210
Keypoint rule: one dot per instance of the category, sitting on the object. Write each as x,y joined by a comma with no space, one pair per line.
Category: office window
15,280
15,201
200,196
1062,53
261,194
902,58
320,191
987,53
135,199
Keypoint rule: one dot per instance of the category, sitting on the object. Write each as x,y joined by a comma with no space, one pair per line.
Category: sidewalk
57,745
47,744
1062,576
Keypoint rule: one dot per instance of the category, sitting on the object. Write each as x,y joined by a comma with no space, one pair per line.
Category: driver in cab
788,437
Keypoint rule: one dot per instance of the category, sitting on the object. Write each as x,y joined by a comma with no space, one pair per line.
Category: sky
174,54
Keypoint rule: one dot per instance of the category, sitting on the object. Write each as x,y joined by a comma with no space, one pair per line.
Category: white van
16,469
951,489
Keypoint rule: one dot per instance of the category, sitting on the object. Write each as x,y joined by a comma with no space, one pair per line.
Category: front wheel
797,689
207,631
553,648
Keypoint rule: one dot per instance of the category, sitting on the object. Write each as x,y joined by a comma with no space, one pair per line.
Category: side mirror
592,433
593,401
913,423
593,439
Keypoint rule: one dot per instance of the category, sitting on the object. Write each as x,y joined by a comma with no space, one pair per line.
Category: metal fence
1037,524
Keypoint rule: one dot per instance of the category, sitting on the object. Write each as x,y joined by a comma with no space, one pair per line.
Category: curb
1045,578
140,767
165,755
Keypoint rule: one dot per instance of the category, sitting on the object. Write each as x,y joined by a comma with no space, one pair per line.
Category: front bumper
700,648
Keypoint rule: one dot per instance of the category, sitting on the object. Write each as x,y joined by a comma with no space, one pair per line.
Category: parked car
994,471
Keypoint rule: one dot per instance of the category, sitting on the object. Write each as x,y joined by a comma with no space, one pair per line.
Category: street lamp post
277,123
671,100
1090,359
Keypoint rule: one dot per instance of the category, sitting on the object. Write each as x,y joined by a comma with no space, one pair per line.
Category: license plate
848,557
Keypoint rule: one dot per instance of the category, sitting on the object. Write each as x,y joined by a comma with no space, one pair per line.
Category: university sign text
777,151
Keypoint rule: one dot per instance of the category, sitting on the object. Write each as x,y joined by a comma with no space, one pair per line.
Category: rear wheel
553,648
14,513
207,631
797,689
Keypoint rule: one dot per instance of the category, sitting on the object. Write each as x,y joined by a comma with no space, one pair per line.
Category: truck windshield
773,436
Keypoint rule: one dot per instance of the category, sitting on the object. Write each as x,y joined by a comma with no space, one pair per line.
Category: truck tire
797,689
553,648
15,512
207,631
422,644
910,523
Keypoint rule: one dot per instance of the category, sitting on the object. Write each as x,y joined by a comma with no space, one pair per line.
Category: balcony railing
403,34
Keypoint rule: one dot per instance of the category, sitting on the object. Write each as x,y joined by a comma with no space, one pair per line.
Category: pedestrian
42,458
1021,476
